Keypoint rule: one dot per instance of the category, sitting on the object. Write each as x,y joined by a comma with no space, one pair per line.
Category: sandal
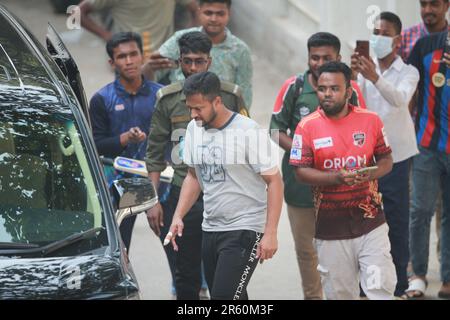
444,294
416,288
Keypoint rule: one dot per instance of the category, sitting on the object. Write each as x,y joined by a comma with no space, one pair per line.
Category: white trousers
344,264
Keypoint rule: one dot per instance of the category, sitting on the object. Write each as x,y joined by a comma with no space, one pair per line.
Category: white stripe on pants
343,264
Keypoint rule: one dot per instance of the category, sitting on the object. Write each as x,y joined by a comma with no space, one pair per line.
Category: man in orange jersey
330,148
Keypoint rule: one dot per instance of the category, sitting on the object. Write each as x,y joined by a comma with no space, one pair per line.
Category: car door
67,65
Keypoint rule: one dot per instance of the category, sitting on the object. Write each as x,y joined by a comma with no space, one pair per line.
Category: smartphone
362,47
366,170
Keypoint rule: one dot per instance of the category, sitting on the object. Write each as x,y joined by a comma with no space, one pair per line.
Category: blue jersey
432,121
114,111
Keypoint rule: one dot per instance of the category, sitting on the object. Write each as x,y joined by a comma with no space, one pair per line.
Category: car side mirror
136,195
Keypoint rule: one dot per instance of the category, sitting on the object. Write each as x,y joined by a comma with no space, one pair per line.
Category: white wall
278,29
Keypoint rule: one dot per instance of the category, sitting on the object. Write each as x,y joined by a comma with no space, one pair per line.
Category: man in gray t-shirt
234,192
234,162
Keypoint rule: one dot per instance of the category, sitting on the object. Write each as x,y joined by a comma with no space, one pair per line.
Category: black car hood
79,277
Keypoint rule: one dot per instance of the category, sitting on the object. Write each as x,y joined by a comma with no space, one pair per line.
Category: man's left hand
267,247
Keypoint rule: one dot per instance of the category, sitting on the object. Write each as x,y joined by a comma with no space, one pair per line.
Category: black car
59,236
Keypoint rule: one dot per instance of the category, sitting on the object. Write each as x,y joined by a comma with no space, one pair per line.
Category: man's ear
217,101
349,91
111,63
398,42
339,58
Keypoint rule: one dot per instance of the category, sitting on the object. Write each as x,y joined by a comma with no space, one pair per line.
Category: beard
430,20
334,109
204,123
211,119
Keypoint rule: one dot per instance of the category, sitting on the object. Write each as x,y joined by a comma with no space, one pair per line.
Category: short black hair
337,67
392,18
227,2
322,39
122,37
194,42
204,83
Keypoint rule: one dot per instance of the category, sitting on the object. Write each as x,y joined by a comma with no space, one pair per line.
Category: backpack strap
299,82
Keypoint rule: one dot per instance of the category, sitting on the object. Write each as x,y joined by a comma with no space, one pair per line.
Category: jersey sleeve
283,105
301,153
414,57
357,98
382,147
107,144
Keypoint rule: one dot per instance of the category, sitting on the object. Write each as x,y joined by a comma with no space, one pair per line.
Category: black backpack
299,82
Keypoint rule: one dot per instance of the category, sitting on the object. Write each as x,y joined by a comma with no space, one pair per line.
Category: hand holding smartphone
366,170
363,48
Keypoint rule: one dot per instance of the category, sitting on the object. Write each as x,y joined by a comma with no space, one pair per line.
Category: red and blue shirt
432,121
409,38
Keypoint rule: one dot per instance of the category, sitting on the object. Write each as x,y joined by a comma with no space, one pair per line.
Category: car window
47,191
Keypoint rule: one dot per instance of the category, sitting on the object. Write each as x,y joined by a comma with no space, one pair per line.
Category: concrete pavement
275,279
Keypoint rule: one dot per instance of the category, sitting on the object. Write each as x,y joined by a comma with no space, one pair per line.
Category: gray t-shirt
228,163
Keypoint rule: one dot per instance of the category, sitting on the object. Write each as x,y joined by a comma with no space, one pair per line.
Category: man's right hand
158,62
134,135
155,218
176,230
446,59
346,177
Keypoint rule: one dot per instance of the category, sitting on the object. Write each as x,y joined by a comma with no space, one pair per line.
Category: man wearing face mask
388,85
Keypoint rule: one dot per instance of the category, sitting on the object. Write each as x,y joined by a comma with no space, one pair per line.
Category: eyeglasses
197,62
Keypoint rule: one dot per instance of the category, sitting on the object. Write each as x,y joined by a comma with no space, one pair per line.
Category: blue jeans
429,169
395,189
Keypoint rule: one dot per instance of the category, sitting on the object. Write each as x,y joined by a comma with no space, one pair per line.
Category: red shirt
353,142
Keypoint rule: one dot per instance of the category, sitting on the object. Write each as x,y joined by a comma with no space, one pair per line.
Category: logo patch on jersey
296,154
297,142
359,138
304,111
323,143
119,107
438,80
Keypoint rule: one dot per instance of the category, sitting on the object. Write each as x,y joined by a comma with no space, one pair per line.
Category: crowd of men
354,137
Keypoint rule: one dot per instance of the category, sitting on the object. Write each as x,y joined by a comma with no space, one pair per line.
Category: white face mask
381,45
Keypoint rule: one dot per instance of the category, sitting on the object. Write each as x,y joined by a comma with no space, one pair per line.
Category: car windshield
47,191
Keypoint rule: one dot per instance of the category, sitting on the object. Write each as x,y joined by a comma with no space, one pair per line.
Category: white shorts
344,264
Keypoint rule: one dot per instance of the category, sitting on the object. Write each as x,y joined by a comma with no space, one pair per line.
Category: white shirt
389,97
